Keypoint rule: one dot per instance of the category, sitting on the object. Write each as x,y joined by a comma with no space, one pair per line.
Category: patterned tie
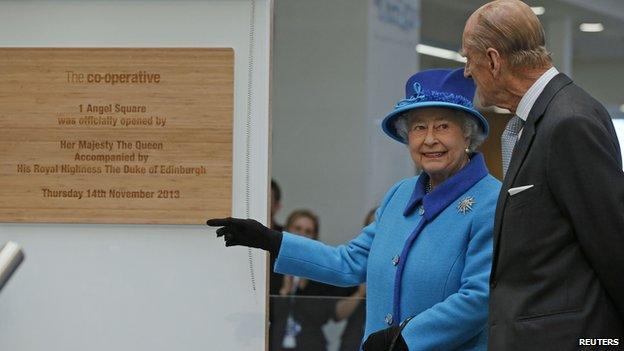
509,139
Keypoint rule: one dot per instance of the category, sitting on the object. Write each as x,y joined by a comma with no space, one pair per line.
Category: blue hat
435,88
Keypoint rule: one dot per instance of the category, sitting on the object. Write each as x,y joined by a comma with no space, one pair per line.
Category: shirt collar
447,192
529,98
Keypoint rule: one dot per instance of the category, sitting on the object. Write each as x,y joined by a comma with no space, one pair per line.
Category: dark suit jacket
558,265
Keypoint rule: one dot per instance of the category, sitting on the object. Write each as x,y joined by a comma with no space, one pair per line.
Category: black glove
381,340
247,232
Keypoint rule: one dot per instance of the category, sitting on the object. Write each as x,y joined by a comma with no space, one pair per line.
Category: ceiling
607,45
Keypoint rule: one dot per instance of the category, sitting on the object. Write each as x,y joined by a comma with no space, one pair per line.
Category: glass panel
332,322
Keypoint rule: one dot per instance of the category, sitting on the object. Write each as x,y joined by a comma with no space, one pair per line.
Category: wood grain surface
115,135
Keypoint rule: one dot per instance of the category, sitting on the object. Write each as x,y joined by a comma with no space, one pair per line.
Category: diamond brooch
465,205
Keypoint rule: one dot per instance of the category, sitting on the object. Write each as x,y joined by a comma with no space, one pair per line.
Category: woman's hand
247,232
382,340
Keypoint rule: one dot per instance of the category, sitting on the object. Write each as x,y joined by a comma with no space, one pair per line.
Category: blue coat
426,255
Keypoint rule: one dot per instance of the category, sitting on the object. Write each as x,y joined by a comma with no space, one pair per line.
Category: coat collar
447,192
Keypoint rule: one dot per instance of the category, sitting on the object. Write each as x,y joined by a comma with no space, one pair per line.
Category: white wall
319,107
335,75
143,287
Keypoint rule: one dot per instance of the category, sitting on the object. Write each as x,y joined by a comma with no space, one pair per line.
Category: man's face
477,68
275,205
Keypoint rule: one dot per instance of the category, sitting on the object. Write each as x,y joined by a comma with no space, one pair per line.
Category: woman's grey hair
469,126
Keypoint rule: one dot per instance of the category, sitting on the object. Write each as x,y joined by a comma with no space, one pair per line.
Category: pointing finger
219,222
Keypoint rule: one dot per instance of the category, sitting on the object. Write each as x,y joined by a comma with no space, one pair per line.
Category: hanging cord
252,32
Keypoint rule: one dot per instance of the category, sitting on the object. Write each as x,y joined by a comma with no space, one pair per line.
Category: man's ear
494,61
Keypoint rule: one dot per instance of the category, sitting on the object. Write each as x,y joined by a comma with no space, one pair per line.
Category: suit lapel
520,152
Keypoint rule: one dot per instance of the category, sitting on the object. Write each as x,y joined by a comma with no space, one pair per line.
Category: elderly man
557,280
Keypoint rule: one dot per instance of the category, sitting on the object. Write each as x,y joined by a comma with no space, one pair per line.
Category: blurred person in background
276,204
304,306
427,255
276,279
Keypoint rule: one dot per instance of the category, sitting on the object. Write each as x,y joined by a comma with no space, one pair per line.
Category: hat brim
387,125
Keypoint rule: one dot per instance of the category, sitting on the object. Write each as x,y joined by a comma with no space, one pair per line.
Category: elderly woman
426,258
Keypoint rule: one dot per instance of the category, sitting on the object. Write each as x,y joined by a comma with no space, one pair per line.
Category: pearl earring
467,150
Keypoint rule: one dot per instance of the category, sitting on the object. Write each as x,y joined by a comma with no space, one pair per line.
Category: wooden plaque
115,135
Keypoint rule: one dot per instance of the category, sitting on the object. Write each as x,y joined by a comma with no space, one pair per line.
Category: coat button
492,283
388,319
395,260
421,210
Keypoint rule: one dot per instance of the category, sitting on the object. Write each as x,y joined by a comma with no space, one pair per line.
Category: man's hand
247,232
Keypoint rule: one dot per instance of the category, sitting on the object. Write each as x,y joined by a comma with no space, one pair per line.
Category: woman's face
437,143
303,226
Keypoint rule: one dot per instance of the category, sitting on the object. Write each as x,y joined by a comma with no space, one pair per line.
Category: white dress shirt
528,99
